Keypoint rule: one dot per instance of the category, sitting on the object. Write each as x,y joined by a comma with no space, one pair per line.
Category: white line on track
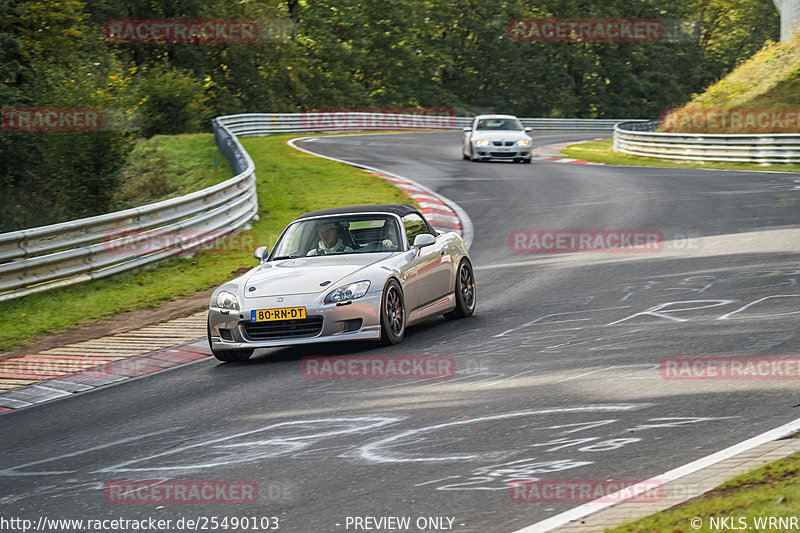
592,507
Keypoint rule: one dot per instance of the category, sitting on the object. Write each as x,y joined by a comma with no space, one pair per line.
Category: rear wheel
393,314
464,292
231,356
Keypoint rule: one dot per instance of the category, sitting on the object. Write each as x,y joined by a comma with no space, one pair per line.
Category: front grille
306,327
503,154
509,143
497,143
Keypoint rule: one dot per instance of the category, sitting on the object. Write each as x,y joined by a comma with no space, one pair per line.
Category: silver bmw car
351,273
497,137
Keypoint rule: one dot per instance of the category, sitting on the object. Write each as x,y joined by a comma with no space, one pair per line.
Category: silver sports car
350,273
497,137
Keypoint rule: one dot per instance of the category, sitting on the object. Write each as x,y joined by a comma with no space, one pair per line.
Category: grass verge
166,166
289,183
772,490
603,152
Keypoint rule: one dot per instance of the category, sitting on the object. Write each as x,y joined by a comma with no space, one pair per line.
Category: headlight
481,142
523,142
347,292
227,300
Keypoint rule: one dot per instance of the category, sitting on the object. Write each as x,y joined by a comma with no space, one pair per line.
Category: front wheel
393,314
231,356
464,292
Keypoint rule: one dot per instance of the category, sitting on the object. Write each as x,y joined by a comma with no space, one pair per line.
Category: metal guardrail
605,125
58,255
340,121
71,252
641,139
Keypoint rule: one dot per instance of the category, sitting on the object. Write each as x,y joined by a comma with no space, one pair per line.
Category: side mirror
261,253
528,130
423,240
467,129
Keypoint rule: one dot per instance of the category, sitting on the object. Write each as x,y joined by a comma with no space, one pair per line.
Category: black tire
464,291
472,155
465,157
393,314
230,356
527,161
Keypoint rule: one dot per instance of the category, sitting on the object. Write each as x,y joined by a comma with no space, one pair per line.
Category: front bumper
502,152
357,320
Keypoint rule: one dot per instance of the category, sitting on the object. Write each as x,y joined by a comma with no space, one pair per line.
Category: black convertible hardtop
397,209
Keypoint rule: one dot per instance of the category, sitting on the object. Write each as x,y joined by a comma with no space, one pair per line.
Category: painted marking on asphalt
267,442
384,450
661,311
727,316
551,316
16,470
613,367
587,509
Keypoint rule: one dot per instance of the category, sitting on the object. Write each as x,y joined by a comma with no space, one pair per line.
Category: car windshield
347,234
505,124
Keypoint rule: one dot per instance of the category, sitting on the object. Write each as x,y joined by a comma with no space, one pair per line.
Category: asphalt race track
558,372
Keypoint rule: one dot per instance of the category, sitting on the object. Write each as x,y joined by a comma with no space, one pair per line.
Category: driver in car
389,239
329,240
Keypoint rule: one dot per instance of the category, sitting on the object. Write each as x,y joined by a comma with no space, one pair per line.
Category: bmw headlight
347,292
481,142
523,142
227,300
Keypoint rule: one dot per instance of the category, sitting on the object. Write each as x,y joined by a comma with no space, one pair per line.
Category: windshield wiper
284,257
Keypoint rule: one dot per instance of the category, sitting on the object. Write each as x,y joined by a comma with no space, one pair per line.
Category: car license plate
285,313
